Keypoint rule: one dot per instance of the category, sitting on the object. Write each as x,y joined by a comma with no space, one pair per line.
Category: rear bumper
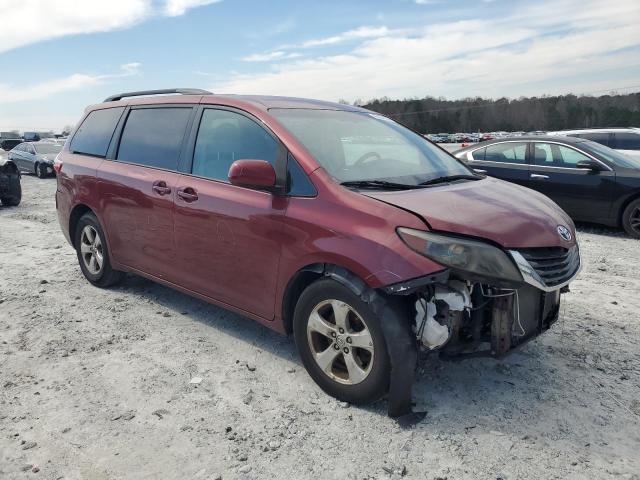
63,209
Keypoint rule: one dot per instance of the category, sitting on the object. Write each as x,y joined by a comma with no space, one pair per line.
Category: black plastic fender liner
396,317
403,351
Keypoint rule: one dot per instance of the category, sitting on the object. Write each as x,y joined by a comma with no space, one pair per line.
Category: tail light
57,164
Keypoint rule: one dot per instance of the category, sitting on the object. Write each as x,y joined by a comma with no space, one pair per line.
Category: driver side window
223,138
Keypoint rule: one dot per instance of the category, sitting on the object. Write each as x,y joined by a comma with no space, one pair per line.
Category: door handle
188,194
160,187
479,170
537,176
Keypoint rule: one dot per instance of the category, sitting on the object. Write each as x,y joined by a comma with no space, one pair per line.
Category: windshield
360,146
617,158
48,148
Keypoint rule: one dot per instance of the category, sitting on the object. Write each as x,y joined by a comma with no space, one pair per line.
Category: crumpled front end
462,315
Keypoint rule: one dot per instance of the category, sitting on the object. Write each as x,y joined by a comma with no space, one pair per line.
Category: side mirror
257,174
589,165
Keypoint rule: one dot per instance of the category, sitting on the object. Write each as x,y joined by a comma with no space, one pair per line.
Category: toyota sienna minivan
326,221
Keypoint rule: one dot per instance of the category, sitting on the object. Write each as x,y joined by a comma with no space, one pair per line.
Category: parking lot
97,383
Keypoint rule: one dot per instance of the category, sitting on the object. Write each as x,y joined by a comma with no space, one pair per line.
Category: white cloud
281,52
76,81
525,53
270,56
29,21
355,34
174,8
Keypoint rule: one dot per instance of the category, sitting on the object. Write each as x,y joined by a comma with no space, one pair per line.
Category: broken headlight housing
474,258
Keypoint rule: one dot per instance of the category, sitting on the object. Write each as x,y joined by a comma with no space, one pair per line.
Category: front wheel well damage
309,274
394,309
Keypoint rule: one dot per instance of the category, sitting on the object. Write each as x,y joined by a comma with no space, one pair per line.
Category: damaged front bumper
477,317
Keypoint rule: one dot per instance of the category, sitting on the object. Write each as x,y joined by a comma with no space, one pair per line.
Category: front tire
341,343
631,219
93,254
41,170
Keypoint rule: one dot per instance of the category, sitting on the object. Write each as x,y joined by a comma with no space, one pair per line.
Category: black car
591,182
8,140
10,188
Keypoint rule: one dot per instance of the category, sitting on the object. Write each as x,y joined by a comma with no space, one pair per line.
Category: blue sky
57,56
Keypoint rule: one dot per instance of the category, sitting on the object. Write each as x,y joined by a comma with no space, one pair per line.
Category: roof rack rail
182,91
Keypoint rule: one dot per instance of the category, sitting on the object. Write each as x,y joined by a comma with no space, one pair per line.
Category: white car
624,140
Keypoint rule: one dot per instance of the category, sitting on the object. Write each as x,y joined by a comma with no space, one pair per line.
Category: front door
137,189
584,194
228,237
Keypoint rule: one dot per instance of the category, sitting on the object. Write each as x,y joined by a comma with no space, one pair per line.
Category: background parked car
10,188
625,140
8,140
591,182
35,157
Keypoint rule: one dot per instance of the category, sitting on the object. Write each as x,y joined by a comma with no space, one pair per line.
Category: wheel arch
76,213
633,197
309,274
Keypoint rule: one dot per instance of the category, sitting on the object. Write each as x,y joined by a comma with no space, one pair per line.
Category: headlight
463,255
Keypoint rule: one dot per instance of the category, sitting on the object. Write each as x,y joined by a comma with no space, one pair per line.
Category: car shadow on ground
442,387
596,229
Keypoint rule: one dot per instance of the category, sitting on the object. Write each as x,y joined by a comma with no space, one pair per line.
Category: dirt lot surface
95,384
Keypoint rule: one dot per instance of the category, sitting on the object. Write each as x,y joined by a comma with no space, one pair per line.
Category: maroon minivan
338,225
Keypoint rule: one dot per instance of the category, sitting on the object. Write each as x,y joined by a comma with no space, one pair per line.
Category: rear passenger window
223,138
626,141
510,152
94,135
153,136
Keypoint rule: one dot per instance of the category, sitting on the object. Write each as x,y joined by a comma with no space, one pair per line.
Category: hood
507,214
47,157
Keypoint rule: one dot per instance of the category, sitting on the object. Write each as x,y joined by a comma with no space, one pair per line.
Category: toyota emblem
564,233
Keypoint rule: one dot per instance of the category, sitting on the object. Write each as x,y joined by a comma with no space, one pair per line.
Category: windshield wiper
379,184
450,178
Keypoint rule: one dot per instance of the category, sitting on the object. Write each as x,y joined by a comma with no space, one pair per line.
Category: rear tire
631,219
93,254
341,343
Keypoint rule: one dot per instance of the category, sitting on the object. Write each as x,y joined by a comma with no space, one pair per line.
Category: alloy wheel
340,342
634,220
91,250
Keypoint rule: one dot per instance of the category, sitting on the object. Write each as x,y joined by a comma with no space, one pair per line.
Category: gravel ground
101,384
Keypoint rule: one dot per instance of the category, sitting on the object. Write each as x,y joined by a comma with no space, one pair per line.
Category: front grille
554,265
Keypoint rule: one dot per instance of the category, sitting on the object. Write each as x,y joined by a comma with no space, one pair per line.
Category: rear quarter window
94,135
478,154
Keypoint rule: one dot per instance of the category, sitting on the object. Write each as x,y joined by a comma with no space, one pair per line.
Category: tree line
436,115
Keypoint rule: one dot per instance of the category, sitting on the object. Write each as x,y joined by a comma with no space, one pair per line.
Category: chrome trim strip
531,276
